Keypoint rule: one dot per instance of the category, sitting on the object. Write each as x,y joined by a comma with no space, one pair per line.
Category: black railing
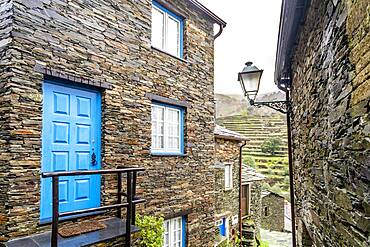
130,203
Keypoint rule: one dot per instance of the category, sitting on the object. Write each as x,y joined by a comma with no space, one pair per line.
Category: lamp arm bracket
280,106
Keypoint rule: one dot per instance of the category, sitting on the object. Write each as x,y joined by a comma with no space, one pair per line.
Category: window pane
160,113
173,36
157,28
154,127
176,143
227,176
161,142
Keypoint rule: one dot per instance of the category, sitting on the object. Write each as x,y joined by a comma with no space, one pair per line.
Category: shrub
264,244
250,161
151,231
286,171
271,145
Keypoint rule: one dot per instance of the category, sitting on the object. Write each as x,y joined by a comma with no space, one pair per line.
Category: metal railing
130,194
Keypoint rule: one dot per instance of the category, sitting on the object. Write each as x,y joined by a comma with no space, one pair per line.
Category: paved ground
277,239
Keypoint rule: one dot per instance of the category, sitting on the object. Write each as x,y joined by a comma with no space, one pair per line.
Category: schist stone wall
256,205
227,201
272,212
107,43
5,40
331,123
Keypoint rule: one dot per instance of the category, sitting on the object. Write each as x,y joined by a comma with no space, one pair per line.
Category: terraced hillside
258,129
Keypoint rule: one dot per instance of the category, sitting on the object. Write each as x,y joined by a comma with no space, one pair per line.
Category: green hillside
258,129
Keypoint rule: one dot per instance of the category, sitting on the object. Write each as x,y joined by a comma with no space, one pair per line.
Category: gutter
211,15
240,188
293,13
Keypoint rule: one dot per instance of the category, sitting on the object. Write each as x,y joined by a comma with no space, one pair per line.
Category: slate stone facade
5,74
272,212
107,44
227,200
254,179
331,124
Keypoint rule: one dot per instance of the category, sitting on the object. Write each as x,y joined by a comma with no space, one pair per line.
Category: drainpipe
219,32
291,173
240,188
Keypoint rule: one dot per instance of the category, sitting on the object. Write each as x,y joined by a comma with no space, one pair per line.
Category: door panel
70,135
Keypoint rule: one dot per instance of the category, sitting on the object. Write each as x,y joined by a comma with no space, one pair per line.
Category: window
266,211
174,232
167,129
167,30
228,176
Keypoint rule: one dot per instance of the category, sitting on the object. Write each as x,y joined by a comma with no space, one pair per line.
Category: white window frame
230,178
166,17
166,149
171,232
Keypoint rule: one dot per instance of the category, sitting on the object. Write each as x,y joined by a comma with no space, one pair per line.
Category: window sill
228,189
169,54
168,155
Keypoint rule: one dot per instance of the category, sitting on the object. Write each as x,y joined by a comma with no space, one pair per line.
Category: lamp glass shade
250,79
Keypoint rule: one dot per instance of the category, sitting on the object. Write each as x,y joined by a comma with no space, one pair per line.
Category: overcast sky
250,35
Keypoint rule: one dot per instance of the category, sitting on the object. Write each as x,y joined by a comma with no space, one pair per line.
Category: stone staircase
258,129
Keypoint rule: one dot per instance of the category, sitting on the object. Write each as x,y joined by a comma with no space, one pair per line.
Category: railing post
129,209
119,194
55,205
133,222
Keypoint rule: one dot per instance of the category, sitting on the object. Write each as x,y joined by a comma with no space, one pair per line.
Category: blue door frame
71,134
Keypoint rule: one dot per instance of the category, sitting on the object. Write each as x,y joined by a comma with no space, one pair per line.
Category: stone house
323,57
89,85
228,146
251,199
273,211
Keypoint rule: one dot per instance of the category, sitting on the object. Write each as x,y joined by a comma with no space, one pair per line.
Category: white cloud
251,35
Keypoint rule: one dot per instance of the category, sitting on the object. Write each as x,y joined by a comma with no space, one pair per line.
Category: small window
266,211
167,129
167,30
228,177
174,232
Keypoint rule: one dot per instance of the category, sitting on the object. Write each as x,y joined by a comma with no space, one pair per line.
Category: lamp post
250,79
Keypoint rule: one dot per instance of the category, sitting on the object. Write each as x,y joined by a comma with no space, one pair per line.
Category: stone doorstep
115,228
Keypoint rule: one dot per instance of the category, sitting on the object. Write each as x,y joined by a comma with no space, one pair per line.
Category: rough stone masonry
106,43
331,123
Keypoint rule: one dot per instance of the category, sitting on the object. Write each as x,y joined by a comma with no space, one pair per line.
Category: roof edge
226,137
208,12
292,15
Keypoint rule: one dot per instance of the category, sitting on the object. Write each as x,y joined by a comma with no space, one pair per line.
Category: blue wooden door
70,137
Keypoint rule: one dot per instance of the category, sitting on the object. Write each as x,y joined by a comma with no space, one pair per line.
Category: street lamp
250,79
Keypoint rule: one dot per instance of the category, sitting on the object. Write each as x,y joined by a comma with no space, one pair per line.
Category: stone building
227,182
273,214
89,85
324,58
251,196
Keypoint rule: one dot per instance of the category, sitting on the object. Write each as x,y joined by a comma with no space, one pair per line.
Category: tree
271,145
